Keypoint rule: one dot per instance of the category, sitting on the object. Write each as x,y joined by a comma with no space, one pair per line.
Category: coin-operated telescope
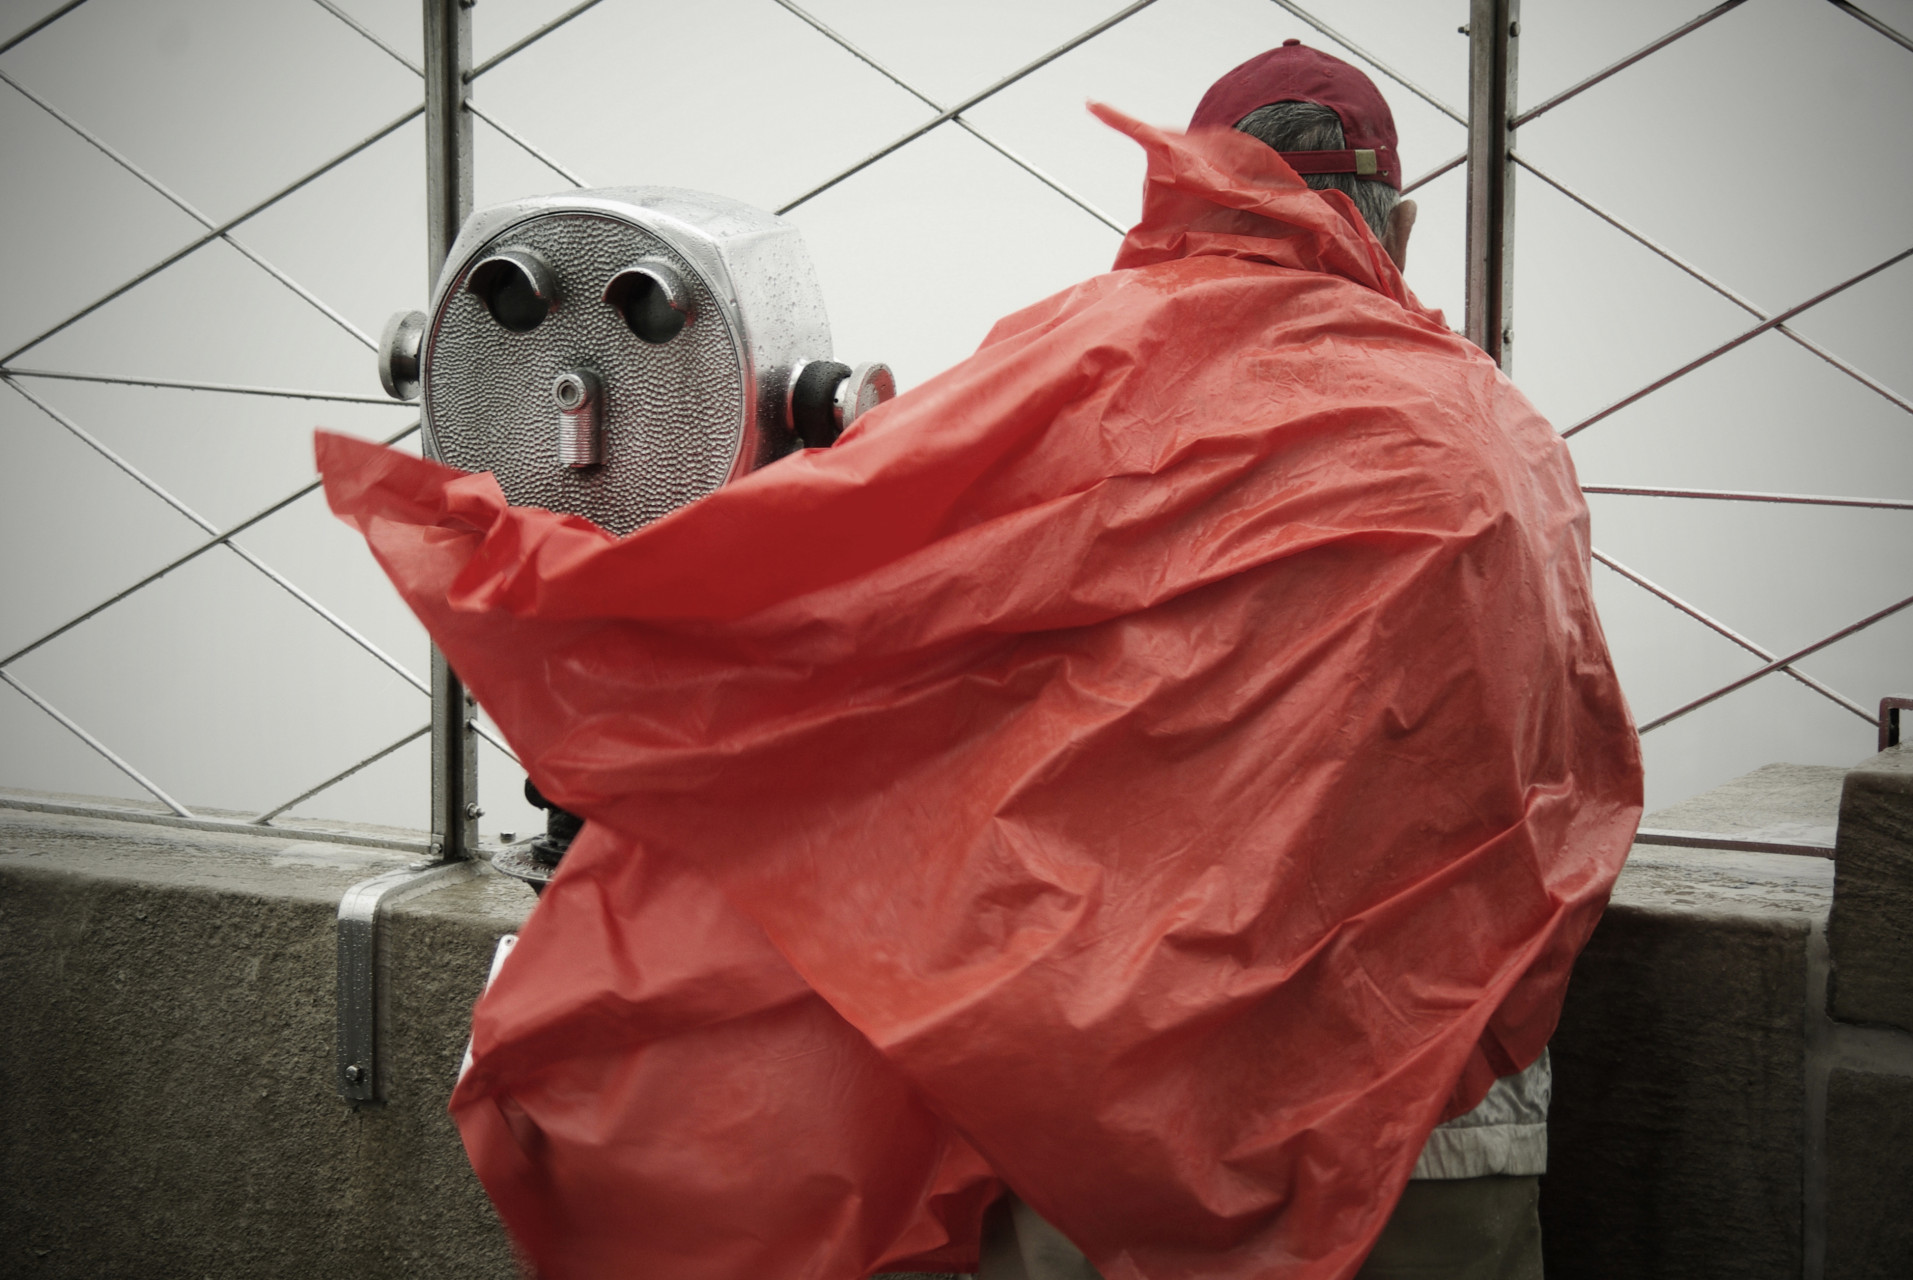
615,354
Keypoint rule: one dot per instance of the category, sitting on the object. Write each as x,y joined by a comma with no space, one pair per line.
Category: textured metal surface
675,419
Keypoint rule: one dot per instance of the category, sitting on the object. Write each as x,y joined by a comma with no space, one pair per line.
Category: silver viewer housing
615,354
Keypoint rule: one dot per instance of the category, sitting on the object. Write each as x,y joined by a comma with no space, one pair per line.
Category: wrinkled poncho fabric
1164,764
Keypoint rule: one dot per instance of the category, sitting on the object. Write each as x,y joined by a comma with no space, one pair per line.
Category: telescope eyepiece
517,286
653,299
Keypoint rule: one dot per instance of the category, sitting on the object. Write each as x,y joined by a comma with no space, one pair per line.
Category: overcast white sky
1770,148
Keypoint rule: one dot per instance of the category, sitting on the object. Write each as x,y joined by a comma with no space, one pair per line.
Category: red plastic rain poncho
1166,762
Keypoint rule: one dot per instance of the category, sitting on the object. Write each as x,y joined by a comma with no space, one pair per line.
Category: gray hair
1307,126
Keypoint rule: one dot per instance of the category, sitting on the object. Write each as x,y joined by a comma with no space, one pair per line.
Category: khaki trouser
1460,1229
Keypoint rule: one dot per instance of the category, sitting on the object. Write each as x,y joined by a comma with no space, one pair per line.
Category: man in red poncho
1163,766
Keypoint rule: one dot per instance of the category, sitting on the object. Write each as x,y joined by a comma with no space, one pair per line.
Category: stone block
1871,927
1869,1176
1677,1124
171,1110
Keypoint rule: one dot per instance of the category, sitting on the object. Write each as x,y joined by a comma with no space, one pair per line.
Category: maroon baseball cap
1296,73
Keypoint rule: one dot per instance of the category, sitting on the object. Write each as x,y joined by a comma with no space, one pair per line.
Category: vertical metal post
1494,28
448,199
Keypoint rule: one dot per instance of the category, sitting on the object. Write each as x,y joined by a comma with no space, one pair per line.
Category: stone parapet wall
1679,1117
1710,1117
170,1003
171,1111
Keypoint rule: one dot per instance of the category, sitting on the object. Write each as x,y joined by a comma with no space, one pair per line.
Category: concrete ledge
169,1004
1795,802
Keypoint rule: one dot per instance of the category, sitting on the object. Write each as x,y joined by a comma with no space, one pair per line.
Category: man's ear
1401,221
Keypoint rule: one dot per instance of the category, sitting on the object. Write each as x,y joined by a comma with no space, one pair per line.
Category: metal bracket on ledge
1890,709
359,1075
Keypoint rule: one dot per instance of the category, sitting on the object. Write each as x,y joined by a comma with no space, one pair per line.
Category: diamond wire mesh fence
1750,505
213,206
